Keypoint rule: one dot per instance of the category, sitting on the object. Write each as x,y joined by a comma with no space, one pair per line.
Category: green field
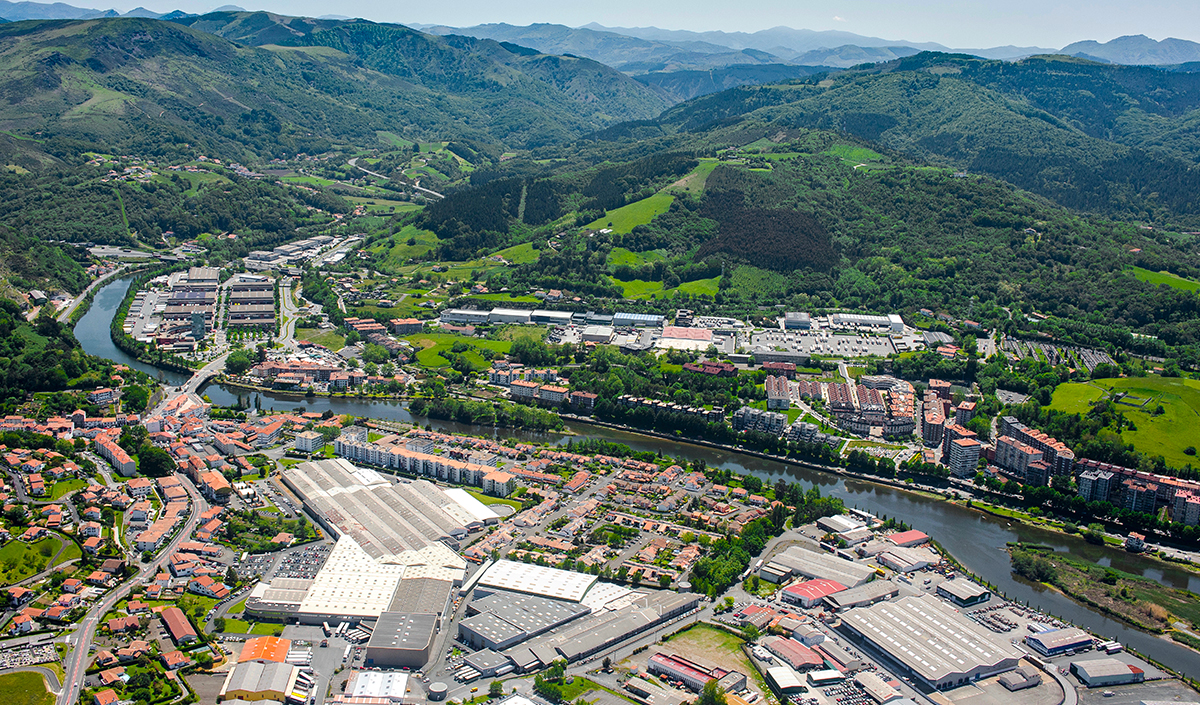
236,626
328,338
520,254
694,182
25,688
488,499
1166,434
638,289
502,297
398,249
705,287
430,347
619,256
20,560
1171,280
1075,397
64,486
857,155
624,219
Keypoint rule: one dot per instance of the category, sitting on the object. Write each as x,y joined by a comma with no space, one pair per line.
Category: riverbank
1053,525
1136,600
226,382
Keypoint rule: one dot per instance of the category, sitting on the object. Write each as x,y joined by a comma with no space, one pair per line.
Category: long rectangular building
932,641
798,560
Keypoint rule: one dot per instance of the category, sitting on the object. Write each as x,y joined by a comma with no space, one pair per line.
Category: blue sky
957,23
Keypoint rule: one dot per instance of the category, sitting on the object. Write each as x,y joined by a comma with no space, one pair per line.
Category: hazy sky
954,23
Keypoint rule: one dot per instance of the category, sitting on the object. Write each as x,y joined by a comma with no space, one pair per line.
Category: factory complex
932,641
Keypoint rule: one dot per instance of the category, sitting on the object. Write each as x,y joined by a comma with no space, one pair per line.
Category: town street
76,662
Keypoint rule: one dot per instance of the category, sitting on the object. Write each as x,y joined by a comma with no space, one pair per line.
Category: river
92,331
975,539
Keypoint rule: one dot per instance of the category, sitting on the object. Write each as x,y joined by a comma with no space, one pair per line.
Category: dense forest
42,356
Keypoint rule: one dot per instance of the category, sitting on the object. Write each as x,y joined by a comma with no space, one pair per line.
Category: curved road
416,182
76,663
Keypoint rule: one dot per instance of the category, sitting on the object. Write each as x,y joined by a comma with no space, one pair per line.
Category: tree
375,353
237,363
496,689
154,461
205,660
231,577
711,694
607,663
219,624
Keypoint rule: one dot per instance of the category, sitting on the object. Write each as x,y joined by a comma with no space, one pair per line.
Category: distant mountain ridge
19,11
1137,50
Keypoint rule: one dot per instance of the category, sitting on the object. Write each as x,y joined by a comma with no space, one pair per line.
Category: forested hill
1118,140
151,87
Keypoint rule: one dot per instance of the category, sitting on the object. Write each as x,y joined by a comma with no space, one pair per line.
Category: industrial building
1101,672
892,322
1022,678
932,641
255,680
784,681
265,648
876,687
692,674
794,654
1056,642
394,550
863,595
906,560
402,640
386,686
538,580
617,614
798,560
811,592
963,592
501,619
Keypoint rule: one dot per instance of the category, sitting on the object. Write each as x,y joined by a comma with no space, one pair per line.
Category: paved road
416,182
65,314
290,316
77,660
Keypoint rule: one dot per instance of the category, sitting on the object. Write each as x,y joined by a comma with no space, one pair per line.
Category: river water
976,540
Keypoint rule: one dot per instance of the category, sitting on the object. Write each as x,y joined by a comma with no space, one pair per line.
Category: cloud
838,19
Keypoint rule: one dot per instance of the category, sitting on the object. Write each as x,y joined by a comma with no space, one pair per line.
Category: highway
76,662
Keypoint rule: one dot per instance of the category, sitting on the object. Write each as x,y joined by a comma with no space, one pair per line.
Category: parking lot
823,343
303,563
256,565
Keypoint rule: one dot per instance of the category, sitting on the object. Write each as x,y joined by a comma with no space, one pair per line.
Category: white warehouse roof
538,580
932,640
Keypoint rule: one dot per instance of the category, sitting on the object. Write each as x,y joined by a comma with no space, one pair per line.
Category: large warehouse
393,552
385,519
1059,641
255,680
932,641
402,640
1101,672
798,560
538,580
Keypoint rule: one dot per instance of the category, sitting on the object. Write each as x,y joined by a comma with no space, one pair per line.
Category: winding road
416,184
